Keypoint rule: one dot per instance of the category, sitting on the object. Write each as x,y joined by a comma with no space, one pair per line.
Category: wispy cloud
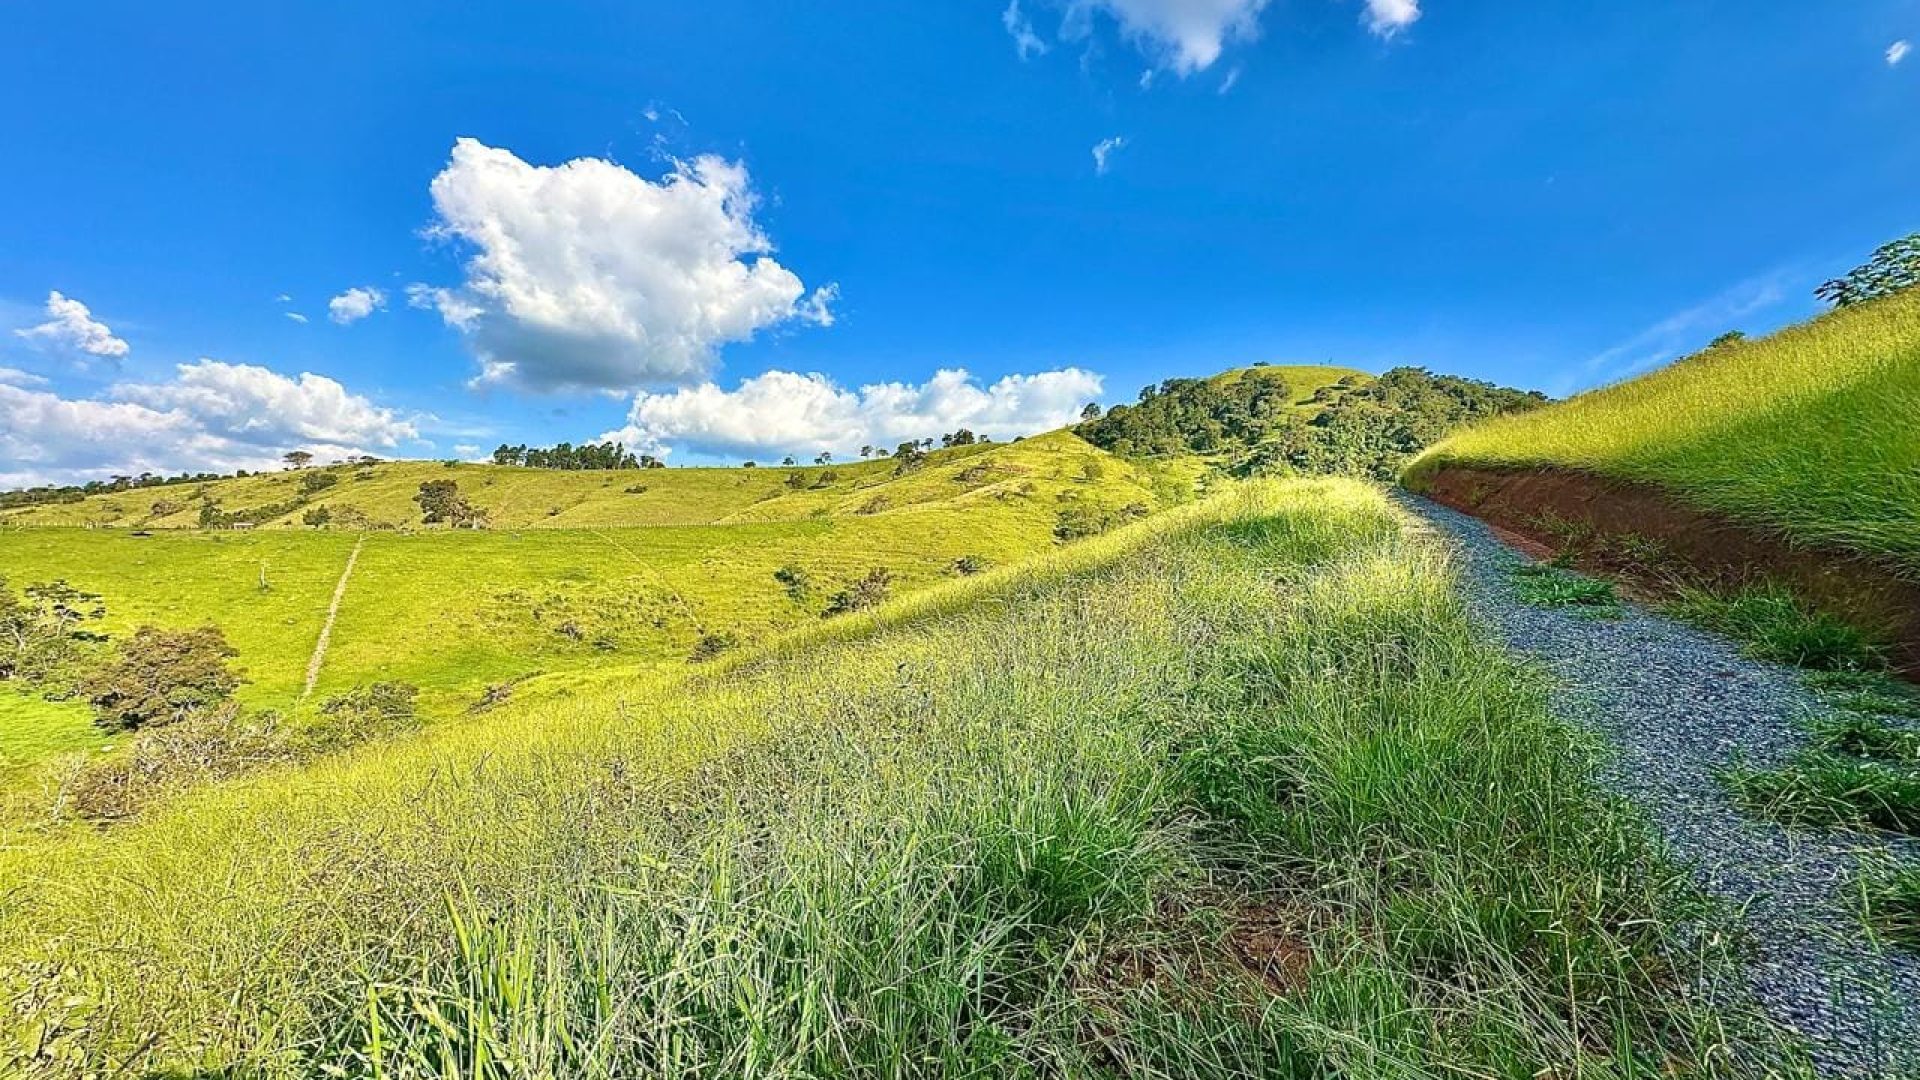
1020,28
1232,80
296,317
1898,51
1103,153
1680,333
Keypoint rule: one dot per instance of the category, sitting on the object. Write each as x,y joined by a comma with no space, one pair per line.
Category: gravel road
1680,705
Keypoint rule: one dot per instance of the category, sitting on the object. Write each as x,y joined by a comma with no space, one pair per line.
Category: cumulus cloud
1103,151
1020,28
1898,51
16,377
1388,18
211,416
71,326
1186,35
587,276
786,412
355,304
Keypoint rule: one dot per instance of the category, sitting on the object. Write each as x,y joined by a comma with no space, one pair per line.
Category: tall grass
1814,431
1237,793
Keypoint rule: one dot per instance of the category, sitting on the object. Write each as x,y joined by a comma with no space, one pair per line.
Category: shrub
875,505
317,516
206,748
968,565
711,646
315,482
869,591
162,677
798,582
42,630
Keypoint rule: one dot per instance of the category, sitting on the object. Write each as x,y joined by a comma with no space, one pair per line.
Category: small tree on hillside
161,677
41,631
1895,266
296,459
1090,412
908,458
441,501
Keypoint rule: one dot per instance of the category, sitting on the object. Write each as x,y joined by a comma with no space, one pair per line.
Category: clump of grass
1545,585
1889,902
1820,788
1773,624
1862,735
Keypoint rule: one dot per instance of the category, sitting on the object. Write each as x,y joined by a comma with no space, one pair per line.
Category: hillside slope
1813,433
1150,806
382,495
613,579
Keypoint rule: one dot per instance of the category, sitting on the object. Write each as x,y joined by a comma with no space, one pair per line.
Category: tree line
603,455
1355,427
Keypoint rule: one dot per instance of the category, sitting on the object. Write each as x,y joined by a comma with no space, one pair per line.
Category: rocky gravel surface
1681,705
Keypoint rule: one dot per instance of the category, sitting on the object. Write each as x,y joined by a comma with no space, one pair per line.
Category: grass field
1813,432
1237,791
456,612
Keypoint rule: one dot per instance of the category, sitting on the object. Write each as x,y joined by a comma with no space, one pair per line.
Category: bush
317,516
798,582
968,565
162,677
315,482
207,748
711,646
869,591
1079,521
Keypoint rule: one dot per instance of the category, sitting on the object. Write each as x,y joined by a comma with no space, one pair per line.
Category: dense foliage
606,455
1355,427
1895,266
162,677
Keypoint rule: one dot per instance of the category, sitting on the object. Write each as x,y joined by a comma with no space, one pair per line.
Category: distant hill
381,496
1301,419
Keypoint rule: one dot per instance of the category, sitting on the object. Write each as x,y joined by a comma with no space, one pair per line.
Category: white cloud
296,317
1682,332
71,326
587,276
1020,28
1232,80
285,298
355,304
786,412
16,377
1186,35
1388,18
1103,150
1898,51
210,417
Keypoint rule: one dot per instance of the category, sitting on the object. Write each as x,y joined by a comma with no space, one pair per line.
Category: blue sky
707,227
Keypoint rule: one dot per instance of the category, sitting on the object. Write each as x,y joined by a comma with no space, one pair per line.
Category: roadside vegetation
1234,791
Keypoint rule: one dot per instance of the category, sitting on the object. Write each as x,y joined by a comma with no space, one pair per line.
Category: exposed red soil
1645,535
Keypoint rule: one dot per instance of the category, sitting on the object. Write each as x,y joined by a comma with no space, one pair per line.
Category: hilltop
1301,419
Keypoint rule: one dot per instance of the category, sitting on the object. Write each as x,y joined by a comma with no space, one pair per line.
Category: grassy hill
1813,433
1236,791
614,578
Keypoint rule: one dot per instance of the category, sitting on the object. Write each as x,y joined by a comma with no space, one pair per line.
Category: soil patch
1650,538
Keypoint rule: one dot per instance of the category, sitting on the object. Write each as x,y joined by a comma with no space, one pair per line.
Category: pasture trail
1680,706
333,612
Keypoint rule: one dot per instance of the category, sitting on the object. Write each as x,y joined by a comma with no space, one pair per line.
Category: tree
866,452
162,677
1895,266
825,458
296,459
1731,337
869,591
908,457
963,437
40,631
440,500
788,460
1091,412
